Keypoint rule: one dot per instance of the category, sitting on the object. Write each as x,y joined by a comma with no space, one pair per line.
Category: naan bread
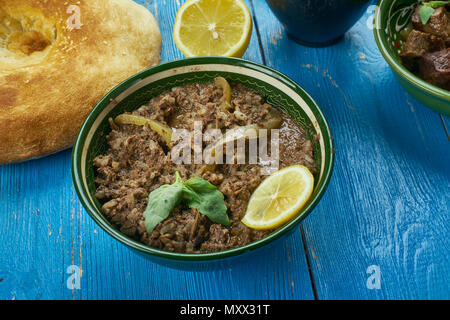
54,70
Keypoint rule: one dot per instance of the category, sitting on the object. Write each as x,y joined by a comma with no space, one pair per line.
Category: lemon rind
294,209
237,50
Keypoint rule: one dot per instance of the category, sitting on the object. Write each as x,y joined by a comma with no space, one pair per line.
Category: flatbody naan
58,59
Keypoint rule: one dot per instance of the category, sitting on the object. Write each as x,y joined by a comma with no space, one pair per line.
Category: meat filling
138,161
425,50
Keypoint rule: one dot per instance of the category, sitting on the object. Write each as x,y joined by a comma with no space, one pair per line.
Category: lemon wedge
279,198
213,28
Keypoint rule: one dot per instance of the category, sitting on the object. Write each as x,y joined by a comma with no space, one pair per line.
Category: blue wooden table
381,231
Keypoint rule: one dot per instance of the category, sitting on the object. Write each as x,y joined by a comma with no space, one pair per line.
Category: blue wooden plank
388,202
34,216
44,230
446,122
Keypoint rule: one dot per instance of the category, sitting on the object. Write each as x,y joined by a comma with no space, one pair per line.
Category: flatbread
57,60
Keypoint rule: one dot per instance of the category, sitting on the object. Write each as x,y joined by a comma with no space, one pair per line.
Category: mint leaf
190,196
425,13
436,4
211,204
196,193
427,9
161,202
200,184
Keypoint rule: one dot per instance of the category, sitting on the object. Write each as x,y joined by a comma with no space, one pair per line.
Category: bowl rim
398,67
175,256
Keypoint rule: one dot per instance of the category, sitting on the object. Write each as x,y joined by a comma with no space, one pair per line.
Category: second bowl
391,16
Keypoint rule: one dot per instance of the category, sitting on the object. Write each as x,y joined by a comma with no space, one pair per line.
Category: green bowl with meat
415,42
184,208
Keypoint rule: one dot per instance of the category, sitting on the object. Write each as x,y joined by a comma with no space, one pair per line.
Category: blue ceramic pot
318,23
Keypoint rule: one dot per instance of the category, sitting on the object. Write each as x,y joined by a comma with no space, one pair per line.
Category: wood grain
44,230
388,202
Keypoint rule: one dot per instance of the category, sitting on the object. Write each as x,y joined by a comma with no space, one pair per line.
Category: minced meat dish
426,51
138,161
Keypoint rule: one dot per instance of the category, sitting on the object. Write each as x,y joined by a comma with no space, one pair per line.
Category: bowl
391,16
275,87
318,23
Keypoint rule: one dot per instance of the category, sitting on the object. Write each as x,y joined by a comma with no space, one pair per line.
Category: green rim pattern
135,91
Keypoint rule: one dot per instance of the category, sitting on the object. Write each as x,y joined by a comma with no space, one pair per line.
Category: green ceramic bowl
277,89
391,16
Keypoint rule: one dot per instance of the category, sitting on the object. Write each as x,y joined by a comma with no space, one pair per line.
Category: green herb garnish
196,193
427,9
207,199
161,202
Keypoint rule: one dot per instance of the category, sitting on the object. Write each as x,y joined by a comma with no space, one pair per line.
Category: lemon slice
213,28
279,198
